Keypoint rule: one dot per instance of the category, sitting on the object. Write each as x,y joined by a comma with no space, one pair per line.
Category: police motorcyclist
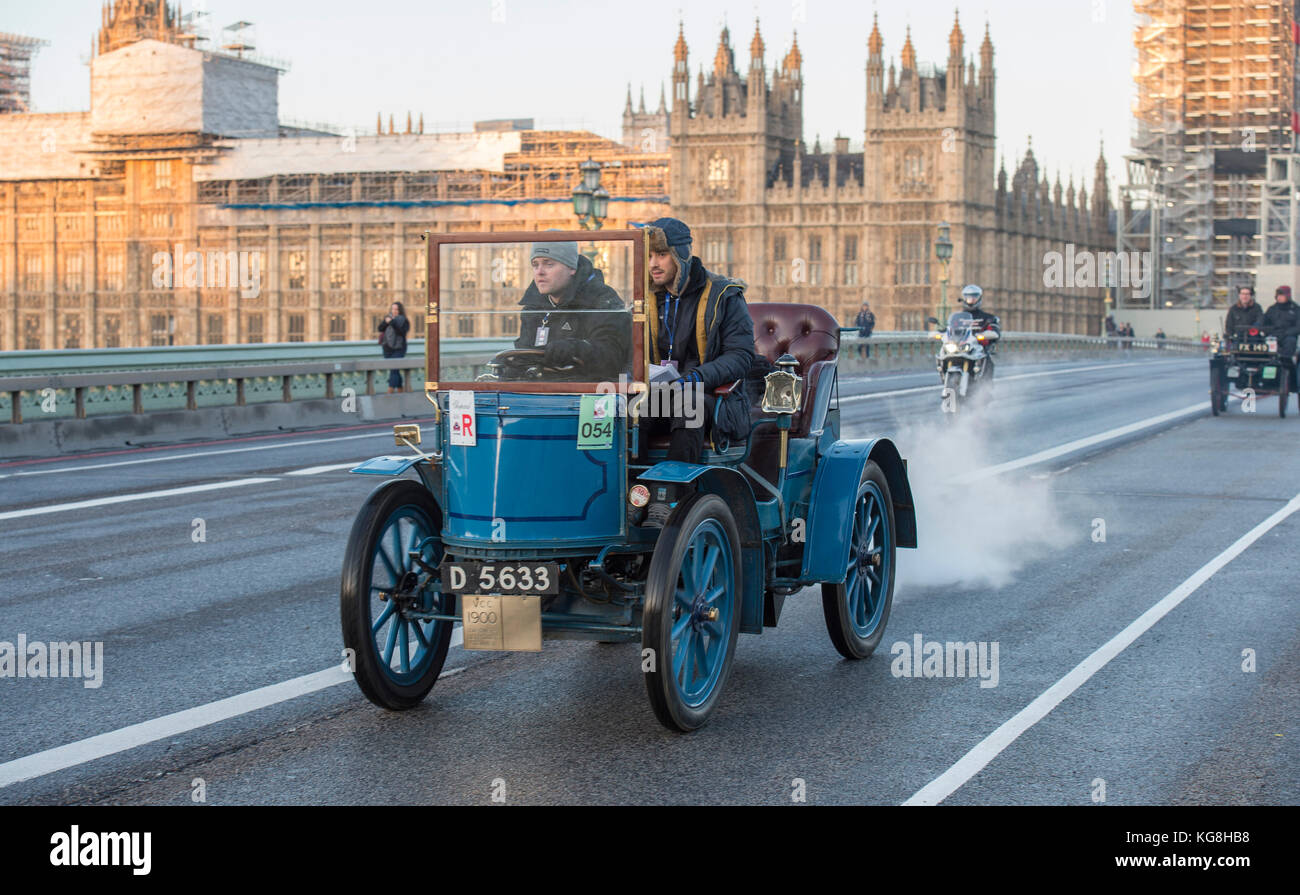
1245,313
972,297
1283,321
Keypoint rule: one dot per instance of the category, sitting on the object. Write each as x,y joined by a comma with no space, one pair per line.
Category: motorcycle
963,359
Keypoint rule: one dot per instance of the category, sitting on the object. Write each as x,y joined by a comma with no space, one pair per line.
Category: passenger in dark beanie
699,321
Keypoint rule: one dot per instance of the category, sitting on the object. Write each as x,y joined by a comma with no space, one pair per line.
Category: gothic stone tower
929,158
726,140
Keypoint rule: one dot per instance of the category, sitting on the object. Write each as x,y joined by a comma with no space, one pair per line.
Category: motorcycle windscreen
544,312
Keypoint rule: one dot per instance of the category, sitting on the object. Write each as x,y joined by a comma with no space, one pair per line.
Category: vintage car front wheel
692,612
857,610
397,654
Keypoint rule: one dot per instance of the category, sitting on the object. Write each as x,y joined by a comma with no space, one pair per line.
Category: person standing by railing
392,338
865,322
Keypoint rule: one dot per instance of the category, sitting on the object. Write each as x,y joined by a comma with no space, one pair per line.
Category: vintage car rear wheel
692,611
857,610
397,658
1216,392
1283,391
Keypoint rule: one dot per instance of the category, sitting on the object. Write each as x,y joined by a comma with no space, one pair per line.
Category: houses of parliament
185,145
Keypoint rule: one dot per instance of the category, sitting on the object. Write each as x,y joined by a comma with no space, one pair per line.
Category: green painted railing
42,385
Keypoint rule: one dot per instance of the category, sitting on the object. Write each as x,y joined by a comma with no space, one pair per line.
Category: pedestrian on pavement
865,322
1160,336
392,338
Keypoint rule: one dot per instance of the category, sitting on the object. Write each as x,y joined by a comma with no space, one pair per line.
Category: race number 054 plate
502,623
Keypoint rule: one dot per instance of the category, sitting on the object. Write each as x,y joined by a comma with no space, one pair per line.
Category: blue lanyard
670,327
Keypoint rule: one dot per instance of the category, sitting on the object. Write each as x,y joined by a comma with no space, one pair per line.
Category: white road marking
991,746
193,454
127,498
61,758
937,387
317,470
1078,444
79,753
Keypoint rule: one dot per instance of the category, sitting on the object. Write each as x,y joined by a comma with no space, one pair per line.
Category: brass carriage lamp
783,395
783,388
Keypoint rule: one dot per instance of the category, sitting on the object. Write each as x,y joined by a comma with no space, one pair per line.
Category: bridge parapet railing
79,384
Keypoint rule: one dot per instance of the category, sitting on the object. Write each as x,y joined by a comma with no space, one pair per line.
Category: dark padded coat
604,340
1283,320
728,334
1238,317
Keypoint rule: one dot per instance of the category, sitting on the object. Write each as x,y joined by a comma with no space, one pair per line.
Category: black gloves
563,352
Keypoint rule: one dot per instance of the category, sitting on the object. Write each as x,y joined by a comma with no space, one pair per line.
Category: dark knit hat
676,236
1283,290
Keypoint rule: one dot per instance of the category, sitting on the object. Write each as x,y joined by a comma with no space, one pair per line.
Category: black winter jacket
395,331
1283,320
1239,317
605,338
728,335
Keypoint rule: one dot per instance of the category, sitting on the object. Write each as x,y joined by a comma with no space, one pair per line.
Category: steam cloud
972,533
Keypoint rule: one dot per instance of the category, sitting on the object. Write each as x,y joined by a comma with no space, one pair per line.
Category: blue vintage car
523,521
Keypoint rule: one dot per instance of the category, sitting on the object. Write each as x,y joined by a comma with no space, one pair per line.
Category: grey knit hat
564,252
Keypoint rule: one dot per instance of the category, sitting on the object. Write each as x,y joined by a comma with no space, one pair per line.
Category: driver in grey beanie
573,316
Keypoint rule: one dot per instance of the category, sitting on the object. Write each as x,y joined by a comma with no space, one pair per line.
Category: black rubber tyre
1216,392
396,517
1283,392
855,622
701,648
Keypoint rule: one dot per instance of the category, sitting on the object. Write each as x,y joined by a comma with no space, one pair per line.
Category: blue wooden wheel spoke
865,582
710,563
404,646
419,634
680,625
679,656
409,645
388,563
389,609
701,659
700,645
391,643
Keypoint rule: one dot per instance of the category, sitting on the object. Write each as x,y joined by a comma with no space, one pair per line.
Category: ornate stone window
719,171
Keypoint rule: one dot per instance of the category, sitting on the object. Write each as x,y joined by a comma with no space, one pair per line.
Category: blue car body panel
826,556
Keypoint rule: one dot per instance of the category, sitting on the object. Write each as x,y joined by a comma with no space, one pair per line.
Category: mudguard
731,486
839,471
385,466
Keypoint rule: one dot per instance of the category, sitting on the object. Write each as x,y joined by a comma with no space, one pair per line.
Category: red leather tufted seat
808,332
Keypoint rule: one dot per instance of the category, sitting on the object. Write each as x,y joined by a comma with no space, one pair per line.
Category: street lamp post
943,251
590,199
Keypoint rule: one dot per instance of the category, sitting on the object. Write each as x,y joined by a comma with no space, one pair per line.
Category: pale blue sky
1064,66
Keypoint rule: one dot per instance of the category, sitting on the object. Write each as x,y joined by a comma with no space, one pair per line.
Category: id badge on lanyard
543,333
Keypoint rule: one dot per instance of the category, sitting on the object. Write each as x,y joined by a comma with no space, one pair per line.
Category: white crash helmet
971,297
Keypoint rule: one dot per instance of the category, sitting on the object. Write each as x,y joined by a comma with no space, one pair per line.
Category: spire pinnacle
875,43
909,52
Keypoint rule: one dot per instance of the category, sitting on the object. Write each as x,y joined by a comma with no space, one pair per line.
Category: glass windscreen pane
535,312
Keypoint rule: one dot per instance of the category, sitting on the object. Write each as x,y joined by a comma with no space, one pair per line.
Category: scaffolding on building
16,52
1280,212
1216,92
